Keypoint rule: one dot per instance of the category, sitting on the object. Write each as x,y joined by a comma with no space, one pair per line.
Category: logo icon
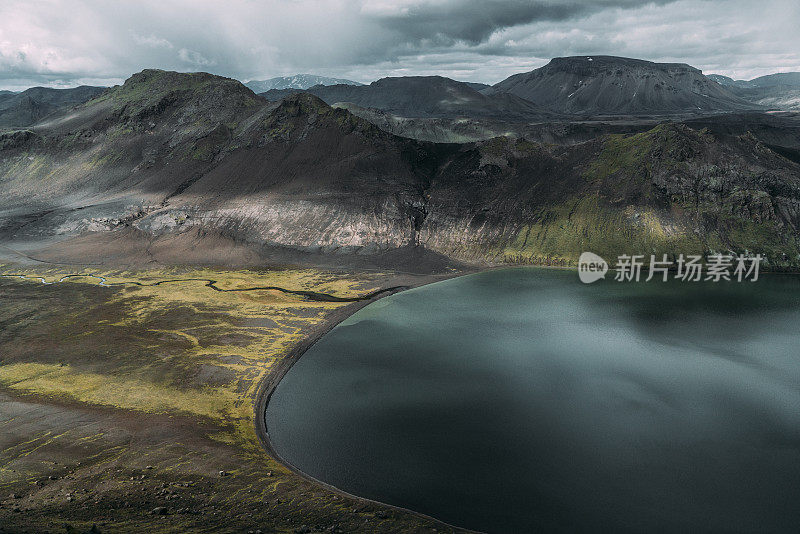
591,268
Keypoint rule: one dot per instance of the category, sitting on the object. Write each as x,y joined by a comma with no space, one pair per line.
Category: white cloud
195,59
51,41
151,41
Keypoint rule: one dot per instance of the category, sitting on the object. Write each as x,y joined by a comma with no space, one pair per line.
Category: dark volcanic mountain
427,96
36,103
604,85
182,168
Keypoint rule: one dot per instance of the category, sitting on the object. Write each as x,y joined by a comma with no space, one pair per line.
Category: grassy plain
130,408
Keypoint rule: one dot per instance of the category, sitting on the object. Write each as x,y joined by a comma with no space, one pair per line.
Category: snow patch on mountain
298,81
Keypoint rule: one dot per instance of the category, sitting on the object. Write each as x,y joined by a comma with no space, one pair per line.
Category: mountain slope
427,96
670,190
775,91
772,80
298,81
125,149
167,153
180,168
790,79
32,105
784,98
478,86
605,85
725,81
463,130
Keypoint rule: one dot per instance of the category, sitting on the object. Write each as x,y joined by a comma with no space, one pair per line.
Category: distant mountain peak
152,92
610,85
298,81
599,63
157,80
425,96
32,105
779,91
788,79
300,104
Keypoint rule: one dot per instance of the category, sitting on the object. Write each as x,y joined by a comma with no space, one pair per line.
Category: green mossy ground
622,210
119,401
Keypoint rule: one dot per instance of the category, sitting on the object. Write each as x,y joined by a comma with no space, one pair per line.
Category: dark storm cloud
473,21
54,42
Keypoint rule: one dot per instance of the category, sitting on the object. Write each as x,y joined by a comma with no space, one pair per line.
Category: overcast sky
102,42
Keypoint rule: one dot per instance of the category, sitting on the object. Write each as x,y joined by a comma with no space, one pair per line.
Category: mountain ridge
607,85
297,81
779,91
426,96
34,104
769,80
173,167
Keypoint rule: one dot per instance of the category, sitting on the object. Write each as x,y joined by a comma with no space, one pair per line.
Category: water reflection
520,400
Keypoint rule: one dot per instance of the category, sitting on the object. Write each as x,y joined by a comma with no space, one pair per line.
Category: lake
521,400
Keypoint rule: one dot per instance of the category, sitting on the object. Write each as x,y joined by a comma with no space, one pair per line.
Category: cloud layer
62,43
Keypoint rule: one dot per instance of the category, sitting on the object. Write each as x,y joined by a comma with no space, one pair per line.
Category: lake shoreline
103,419
402,282
270,382
631,388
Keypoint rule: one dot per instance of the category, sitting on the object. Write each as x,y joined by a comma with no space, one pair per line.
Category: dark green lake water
522,400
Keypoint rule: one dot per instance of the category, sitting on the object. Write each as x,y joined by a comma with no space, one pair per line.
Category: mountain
426,96
788,79
605,85
150,160
298,81
774,91
725,81
463,130
5,95
782,98
192,168
791,79
478,86
32,105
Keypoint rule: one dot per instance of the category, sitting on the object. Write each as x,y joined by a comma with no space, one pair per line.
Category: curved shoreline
270,382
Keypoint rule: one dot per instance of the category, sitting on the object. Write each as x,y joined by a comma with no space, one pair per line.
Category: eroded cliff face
292,223
670,190
176,168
